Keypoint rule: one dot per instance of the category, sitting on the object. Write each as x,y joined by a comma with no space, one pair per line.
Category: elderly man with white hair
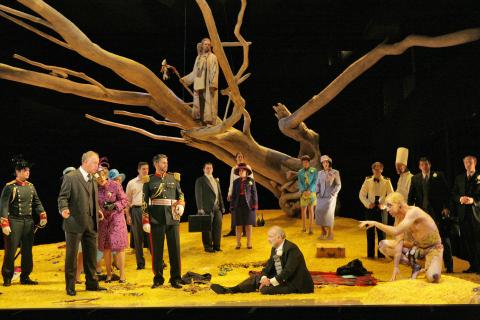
285,271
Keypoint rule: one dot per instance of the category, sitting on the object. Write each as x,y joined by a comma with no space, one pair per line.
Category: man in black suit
430,192
208,196
466,196
78,205
285,272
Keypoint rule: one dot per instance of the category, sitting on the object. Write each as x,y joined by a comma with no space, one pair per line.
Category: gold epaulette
176,175
386,178
368,177
11,182
146,179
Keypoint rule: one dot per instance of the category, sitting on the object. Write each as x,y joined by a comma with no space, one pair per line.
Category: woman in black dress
244,203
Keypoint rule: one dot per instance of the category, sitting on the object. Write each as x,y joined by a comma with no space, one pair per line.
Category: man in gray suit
78,205
208,196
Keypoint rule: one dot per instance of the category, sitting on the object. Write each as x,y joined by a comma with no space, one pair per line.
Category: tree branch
367,61
307,138
63,72
35,30
80,89
169,105
135,129
240,39
25,16
152,119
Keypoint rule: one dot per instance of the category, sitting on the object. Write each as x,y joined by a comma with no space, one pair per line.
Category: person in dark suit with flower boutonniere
429,191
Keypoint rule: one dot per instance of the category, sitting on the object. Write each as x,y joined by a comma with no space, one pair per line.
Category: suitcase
330,250
199,223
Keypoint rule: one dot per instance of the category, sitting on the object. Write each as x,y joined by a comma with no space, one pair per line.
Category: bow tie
376,179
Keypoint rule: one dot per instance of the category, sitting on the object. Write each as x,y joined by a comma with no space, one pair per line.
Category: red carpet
324,278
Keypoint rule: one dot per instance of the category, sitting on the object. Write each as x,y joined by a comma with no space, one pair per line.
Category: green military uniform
17,202
158,195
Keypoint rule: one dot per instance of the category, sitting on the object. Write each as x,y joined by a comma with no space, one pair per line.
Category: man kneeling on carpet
416,238
285,272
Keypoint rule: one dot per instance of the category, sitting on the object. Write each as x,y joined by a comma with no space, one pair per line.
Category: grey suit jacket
75,196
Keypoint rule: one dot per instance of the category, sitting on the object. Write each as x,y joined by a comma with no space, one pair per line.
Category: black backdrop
426,99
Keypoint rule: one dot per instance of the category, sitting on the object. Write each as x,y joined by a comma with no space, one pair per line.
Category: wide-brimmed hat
114,173
325,158
68,169
243,166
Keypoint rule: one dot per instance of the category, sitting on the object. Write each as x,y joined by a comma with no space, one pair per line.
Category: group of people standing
456,211
318,195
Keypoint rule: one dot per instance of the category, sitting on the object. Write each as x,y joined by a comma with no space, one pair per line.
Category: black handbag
199,223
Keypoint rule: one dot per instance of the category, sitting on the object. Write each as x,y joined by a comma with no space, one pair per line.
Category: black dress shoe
218,289
28,281
157,284
140,267
96,288
209,250
230,234
449,270
7,282
469,270
176,284
71,292
218,250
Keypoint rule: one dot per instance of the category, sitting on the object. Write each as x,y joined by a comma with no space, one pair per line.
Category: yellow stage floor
50,293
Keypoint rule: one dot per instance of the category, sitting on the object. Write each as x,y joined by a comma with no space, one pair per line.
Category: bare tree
274,170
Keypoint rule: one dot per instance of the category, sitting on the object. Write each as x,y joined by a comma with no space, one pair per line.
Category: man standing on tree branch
205,84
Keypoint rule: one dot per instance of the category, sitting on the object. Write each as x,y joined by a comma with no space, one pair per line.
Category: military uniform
160,195
17,202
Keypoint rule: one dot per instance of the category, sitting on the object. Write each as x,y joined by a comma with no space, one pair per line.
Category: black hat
19,163
305,157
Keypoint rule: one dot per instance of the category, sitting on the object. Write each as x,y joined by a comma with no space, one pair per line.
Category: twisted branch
367,61
47,81
152,119
63,72
135,129
25,16
34,30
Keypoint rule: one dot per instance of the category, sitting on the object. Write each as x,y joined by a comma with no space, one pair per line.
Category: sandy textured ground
49,261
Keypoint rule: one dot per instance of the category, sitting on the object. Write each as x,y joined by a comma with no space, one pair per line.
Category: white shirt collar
84,174
280,247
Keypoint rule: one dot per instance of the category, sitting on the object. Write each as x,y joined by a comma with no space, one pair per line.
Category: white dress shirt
135,192
85,174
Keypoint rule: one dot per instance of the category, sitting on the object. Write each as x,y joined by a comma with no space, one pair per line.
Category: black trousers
211,239
470,239
253,283
22,233
88,238
157,239
447,246
374,214
136,230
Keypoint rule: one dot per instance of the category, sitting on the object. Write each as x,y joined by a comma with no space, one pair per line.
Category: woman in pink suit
112,230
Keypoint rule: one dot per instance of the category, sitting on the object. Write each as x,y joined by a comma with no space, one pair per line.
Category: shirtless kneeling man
416,238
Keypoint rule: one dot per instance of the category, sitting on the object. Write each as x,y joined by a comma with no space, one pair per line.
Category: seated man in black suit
285,272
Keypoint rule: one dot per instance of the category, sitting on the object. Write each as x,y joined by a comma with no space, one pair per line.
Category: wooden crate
325,250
